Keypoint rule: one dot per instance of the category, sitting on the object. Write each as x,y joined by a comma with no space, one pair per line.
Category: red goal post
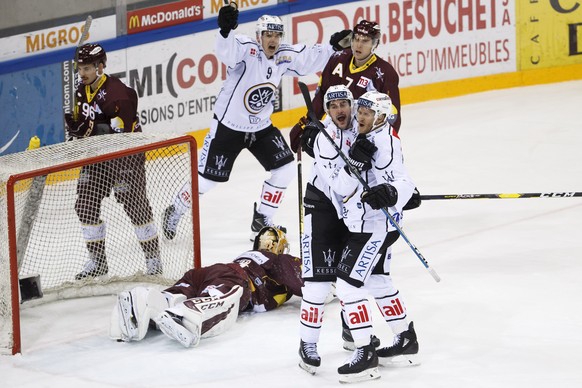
40,231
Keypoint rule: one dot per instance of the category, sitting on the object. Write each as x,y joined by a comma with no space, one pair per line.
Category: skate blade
368,374
308,368
349,346
402,361
176,331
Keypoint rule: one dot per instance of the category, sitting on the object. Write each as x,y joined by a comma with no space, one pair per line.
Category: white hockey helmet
381,104
271,239
337,92
269,23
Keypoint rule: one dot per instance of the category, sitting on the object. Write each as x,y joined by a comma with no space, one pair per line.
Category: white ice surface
507,313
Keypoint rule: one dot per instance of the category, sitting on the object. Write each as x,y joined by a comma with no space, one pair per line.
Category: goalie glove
227,19
362,153
341,40
384,195
78,128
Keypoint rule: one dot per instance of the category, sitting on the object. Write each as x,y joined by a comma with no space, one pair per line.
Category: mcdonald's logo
133,22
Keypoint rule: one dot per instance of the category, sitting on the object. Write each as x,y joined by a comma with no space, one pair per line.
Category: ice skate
127,316
170,222
362,366
260,221
171,325
310,359
93,269
403,352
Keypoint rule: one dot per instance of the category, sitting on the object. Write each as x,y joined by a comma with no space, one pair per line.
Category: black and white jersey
245,102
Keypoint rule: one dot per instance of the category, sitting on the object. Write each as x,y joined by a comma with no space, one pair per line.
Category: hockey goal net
43,238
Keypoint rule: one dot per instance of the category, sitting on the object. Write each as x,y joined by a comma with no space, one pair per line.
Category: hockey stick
555,194
80,42
300,197
355,172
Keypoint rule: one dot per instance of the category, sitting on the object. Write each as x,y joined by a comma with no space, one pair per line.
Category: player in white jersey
364,267
242,115
324,233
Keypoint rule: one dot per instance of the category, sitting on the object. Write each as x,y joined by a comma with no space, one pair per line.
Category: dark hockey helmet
91,53
367,28
271,239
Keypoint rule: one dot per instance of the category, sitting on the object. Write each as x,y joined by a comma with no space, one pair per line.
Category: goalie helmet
337,92
269,23
381,104
91,53
271,239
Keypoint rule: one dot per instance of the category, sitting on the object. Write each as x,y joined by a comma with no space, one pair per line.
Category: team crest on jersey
379,74
364,82
101,95
253,52
258,97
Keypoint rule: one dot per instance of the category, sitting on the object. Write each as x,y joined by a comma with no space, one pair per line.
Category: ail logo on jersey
393,310
273,198
364,82
359,317
313,315
258,97
253,52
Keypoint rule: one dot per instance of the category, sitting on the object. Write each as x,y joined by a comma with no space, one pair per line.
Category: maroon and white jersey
375,75
268,280
274,279
112,103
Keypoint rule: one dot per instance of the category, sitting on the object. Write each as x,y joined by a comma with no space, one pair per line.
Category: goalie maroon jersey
112,103
375,74
268,280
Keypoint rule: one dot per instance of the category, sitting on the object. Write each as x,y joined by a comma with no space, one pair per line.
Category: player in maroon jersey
358,68
206,301
105,105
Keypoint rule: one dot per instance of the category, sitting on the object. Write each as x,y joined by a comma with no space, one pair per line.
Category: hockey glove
78,128
296,132
341,40
308,138
414,201
384,195
361,153
227,19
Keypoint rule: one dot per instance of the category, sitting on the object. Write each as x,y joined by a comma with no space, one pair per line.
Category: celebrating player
364,267
105,105
324,230
205,302
242,115
361,70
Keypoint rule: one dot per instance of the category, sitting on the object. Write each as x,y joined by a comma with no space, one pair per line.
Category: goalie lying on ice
206,301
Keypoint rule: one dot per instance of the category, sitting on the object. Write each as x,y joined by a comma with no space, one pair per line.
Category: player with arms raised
242,115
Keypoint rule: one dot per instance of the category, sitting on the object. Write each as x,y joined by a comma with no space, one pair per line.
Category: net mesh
79,209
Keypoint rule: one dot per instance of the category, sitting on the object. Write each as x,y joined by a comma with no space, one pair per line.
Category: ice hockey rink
507,313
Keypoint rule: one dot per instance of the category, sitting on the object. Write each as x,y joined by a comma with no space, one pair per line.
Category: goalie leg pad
132,313
173,324
219,313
